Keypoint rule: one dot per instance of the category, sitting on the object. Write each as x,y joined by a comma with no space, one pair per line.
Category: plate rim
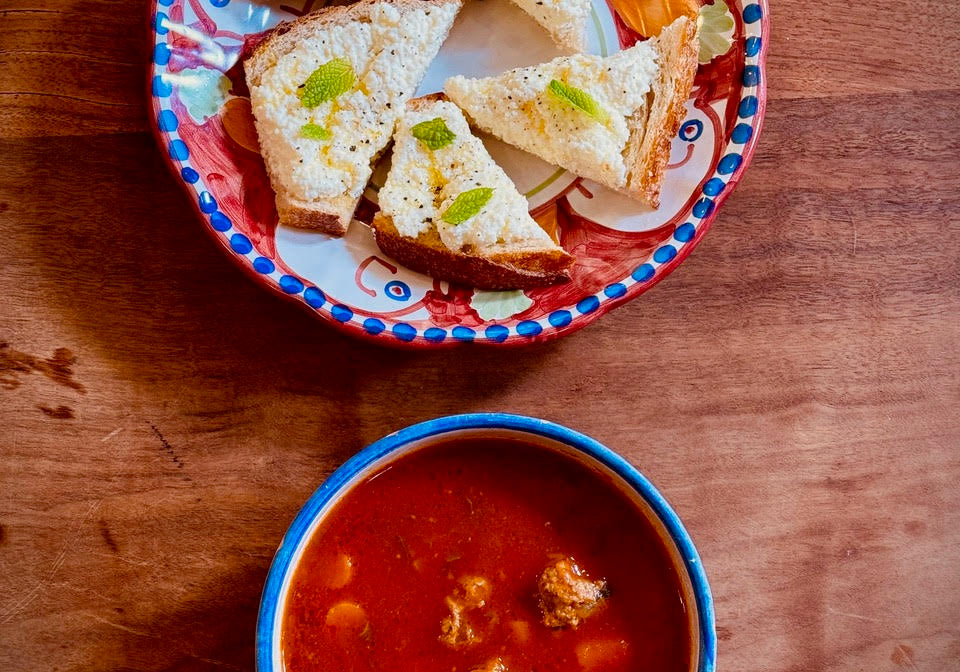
389,338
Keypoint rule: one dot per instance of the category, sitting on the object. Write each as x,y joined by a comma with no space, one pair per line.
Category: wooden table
793,388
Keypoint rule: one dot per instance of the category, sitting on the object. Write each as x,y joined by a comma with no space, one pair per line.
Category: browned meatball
567,595
471,594
494,665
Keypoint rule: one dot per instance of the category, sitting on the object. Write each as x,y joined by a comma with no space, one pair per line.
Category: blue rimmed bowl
371,459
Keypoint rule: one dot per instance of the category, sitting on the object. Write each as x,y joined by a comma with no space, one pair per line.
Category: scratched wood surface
793,389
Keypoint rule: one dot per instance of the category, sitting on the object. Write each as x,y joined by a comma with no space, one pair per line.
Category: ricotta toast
326,92
565,20
610,119
447,209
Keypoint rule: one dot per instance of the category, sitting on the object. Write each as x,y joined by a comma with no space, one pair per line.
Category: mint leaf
433,133
315,132
576,98
327,82
466,205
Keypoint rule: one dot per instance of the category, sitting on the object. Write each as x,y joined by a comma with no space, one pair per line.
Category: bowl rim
336,484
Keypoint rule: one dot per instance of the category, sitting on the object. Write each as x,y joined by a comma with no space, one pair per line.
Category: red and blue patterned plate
201,112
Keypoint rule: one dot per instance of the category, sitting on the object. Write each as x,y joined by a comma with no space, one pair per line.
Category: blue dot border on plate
734,160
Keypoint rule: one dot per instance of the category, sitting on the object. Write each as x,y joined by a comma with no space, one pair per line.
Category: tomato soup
486,554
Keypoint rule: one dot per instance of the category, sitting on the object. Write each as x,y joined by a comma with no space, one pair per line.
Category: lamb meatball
567,595
471,594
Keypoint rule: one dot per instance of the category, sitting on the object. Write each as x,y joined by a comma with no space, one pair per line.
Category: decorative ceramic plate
202,116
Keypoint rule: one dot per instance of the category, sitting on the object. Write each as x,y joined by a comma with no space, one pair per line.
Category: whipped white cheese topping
389,56
423,183
516,105
565,19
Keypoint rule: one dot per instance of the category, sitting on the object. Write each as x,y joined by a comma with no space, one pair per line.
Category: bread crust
507,270
652,131
332,215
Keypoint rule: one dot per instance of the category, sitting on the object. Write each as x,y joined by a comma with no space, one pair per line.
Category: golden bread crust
508,270
647,159
331,216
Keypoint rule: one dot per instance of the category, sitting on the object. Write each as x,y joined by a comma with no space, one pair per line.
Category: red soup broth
369,591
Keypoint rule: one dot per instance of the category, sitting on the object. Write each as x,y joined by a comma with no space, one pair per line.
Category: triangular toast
448,210
610,119
326,92
565,20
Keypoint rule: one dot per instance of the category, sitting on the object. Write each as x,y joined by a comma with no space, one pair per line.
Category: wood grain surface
793,389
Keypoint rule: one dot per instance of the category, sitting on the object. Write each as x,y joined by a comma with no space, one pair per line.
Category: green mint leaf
315,132
576,98
434,133
466,205
327,82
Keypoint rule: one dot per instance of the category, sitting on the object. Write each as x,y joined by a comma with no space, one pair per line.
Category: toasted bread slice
326,92
423,224
566,20
607,119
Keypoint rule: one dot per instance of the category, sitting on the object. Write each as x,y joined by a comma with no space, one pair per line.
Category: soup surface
437,564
